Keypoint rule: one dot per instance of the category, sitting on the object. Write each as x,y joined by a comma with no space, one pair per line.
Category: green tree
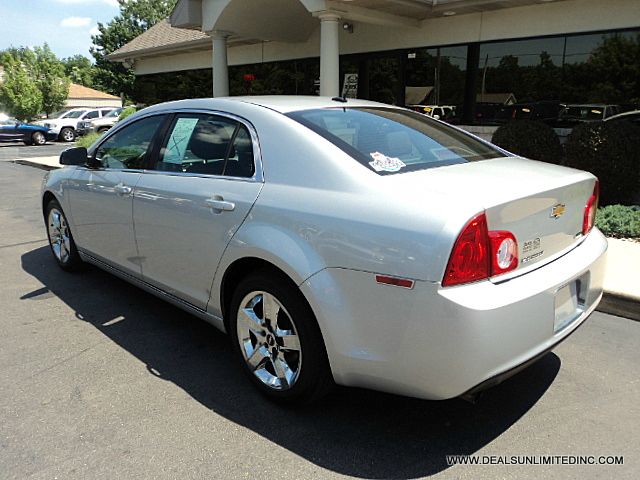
79,69
42,68
19,92
615,68
51,79
135,17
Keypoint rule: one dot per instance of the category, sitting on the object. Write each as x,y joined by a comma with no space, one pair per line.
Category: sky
66,25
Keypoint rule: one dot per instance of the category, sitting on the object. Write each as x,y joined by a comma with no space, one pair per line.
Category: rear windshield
583,113
389,140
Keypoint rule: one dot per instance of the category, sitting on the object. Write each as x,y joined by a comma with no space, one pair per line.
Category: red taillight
479,253
469,260
591,209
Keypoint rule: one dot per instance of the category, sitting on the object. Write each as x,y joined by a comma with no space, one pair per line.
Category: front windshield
58,114
74,114
113,113
392,140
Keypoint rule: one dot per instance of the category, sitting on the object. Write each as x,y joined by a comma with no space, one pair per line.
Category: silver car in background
337,241
99,125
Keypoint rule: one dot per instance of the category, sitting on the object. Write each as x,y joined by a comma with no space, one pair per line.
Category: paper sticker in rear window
382,163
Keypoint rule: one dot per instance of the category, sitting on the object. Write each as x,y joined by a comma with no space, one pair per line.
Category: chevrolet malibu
337,241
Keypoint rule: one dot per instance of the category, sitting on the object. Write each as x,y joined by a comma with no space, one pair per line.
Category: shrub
531,139
87,140
619,221
611,151
130,110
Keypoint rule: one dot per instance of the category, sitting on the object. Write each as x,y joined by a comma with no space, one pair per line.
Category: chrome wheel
68,135
269,340
59,235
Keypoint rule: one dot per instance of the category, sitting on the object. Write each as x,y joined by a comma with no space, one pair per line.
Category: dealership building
438,52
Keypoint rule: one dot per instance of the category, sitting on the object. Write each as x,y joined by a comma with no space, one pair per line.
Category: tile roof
162,34
79,91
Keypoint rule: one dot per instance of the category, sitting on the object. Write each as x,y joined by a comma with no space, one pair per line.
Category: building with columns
446,52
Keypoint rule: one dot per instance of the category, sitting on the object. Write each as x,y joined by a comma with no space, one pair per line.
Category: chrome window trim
258,174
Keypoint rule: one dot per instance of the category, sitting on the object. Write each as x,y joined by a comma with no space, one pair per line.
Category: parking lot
16,150
99,379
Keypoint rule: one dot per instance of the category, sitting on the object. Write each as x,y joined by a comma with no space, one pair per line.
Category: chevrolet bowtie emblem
558,210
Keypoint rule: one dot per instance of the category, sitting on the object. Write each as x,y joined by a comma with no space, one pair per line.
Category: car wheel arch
47,196
239,269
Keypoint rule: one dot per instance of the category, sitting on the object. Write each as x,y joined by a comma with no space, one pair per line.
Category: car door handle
219,204
121,189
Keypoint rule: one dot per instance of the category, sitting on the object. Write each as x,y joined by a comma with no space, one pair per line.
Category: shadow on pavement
352,432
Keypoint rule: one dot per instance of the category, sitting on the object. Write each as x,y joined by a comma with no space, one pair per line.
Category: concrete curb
35,164
620,305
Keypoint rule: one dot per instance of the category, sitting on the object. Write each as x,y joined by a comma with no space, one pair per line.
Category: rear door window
207,144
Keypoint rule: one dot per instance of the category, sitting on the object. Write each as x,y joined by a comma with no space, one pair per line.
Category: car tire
284,356
38,138
67,134
61,242
102,130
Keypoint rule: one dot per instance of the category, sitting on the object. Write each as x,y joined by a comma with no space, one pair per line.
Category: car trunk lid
541,204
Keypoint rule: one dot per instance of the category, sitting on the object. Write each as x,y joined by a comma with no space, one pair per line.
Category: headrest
209,140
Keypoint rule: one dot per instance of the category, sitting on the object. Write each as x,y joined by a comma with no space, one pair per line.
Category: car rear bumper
437,343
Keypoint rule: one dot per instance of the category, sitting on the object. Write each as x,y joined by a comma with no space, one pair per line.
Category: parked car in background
572,115
439,112
11,130
544,111
65,123
632,116
353,242
99,125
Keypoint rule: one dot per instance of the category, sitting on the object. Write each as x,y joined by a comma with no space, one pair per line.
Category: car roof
590,105
630,113
279,103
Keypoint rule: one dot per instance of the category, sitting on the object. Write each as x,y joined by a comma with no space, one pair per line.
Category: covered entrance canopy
293,21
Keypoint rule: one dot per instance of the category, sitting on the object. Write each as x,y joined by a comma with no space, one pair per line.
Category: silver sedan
337,241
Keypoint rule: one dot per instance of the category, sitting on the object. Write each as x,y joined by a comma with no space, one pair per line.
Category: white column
329,54
220,67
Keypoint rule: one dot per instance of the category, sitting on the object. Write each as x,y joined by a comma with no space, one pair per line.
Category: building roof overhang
290,21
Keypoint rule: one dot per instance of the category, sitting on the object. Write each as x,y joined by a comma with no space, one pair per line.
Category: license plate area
570,301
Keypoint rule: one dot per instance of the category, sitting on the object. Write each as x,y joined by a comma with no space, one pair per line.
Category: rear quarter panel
321,209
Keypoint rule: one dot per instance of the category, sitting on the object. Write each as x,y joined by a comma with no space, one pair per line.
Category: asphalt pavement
11,151
99,379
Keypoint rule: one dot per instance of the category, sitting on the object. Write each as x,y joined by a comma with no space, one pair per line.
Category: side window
92,114
198,143
104,112
127,147
240,162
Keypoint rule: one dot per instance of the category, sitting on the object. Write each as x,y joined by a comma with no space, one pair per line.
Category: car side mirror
74,156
